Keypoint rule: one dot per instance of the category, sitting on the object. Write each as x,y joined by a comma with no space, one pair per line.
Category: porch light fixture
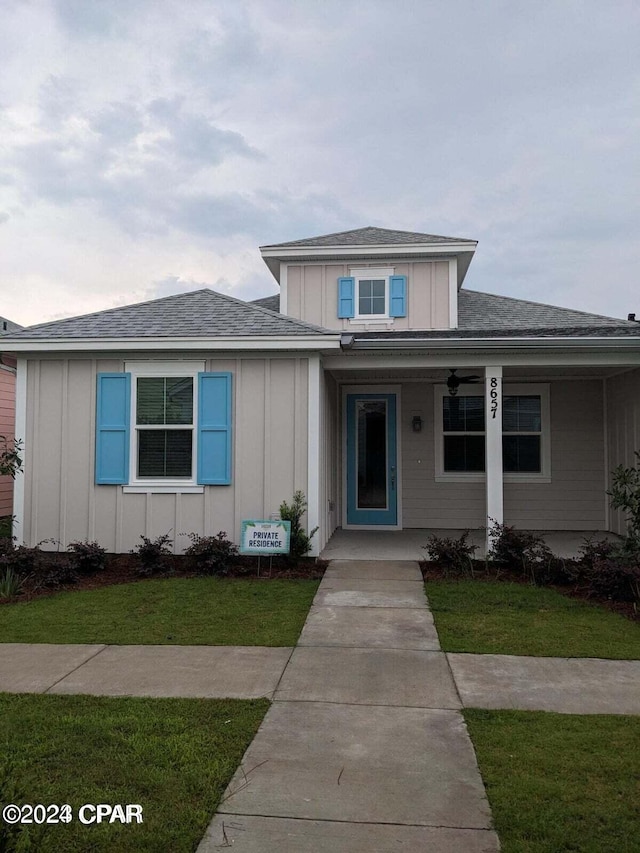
416,423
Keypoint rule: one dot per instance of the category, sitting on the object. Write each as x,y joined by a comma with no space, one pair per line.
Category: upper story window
372,294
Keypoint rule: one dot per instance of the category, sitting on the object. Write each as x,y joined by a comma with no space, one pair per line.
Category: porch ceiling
439,375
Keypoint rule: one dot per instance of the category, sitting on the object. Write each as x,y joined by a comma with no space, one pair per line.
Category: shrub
153,554
452,554
10,459
211,555
522,551
38,569
625,495
609,569
87,558
23,560
300,543
10,585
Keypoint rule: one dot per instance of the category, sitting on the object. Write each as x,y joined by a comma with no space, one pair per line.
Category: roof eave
319,341
403,344
273,256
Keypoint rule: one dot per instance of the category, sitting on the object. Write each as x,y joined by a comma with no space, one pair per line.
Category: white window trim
477,390
137,484
366,273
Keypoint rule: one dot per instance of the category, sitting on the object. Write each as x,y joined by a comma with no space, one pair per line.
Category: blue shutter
214,429
398,296
346,297
112,428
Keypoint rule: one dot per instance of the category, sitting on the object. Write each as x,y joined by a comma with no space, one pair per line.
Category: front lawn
494,617
558,782
174,757
177,611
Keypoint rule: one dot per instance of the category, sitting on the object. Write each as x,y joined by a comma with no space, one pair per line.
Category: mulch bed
125,568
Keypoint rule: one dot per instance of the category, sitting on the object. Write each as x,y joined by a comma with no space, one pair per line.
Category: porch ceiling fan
454,382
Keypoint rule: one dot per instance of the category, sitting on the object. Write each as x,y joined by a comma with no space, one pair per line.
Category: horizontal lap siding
426,503
623,409
573,500
63,503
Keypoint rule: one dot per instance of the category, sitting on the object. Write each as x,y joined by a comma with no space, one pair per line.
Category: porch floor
408,544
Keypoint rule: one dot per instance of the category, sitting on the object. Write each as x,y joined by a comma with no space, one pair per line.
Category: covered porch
550,429
409,544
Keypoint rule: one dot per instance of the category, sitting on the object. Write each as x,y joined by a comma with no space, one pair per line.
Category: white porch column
493,446
314,474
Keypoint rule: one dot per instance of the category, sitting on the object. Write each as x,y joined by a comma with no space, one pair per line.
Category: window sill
164,489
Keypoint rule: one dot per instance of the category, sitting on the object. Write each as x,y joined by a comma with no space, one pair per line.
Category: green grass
488,617
560,782
180,611
172,756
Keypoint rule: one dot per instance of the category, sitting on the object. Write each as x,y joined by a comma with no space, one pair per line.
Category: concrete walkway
364,747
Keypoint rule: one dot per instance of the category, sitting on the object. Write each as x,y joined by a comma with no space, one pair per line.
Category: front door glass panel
371,439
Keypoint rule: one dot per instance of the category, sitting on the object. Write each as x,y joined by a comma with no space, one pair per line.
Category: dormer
371,279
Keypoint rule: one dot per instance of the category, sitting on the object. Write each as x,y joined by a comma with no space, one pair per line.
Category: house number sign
493,394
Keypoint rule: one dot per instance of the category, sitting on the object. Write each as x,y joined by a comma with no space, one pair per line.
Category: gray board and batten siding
63,502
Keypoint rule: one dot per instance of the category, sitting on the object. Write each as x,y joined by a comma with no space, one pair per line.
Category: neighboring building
7,412
375,383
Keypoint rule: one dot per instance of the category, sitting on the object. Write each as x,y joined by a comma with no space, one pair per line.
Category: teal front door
372,490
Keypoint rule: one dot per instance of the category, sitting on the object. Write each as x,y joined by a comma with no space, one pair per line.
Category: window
522,434
372,294
463,432
164,426
460,420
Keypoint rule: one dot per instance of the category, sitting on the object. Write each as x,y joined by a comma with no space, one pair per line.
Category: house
376,383
7,413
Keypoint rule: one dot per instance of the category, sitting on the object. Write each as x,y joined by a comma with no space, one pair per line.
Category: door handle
393,477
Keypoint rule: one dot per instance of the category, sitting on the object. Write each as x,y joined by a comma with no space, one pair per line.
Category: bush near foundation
211,555
154,556
300,543
453,555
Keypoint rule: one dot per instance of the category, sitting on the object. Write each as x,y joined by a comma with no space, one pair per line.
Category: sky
149,147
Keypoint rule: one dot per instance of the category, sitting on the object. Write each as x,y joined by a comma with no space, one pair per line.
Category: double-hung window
164,426
460,433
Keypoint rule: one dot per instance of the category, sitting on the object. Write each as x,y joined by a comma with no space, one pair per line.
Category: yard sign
265,538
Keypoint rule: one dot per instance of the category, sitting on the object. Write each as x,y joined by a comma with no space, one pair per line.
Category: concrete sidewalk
364,747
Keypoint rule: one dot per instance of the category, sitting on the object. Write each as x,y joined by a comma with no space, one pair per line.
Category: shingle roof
7,327
198,314
270,302
371,236
478,310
